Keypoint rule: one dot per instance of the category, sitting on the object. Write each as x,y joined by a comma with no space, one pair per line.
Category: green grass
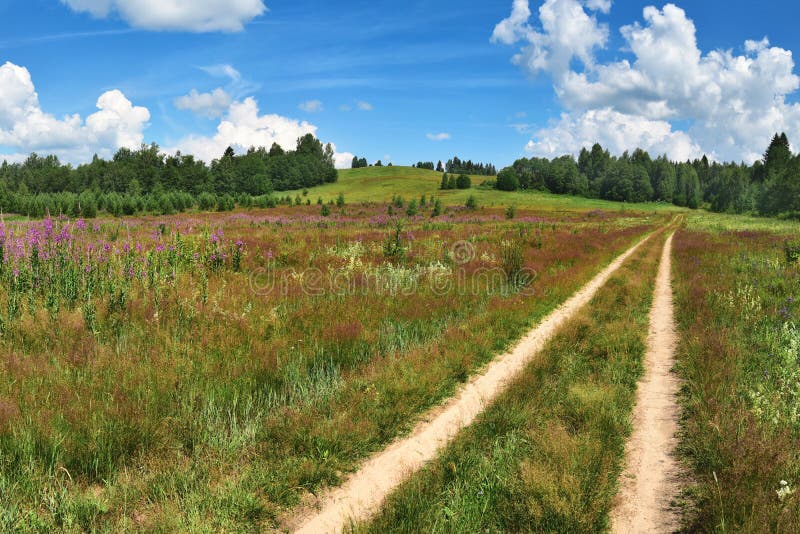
380,184
737,313
546,456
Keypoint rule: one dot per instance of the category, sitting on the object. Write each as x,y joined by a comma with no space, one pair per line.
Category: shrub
393,248
412,208
326,210
507,180
225,203
511,212
463,182
472,203
206,201
340,200
792,251
437,208
512,259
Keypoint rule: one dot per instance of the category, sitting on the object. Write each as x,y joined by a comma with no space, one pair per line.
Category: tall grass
736,298
197,403
546,456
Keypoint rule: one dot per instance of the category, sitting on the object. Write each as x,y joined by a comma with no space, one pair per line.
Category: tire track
364,492
651,479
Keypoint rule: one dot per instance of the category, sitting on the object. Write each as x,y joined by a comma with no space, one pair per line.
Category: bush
225,203
437,208
165,205
507,180
393,248
472,203
207,201
412,208
511,212
326,210
792,251
340,200
463,182
512,259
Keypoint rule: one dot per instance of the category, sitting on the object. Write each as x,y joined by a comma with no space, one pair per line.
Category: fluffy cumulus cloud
567,32
211,105
243,126
729,103
25,127
617,131
181,15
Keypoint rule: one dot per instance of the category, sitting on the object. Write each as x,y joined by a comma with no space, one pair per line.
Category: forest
149,180
771,186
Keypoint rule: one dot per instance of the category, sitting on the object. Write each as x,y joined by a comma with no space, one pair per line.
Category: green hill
380,184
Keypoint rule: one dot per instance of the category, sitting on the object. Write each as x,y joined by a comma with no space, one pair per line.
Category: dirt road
650,480
364,492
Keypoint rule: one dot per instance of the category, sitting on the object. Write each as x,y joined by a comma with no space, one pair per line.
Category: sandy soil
650,481
363,493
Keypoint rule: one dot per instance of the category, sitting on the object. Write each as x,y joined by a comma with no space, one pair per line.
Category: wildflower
784,491
80,224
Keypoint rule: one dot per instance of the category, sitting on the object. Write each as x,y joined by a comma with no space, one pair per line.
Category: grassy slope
380,184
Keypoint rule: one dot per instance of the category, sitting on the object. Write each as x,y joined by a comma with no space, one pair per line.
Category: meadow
381,184
737,282
212,371
219,371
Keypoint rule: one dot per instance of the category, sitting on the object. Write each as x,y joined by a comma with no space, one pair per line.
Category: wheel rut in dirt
364,492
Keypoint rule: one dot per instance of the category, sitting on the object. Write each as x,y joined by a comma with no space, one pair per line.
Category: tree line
149,180
457,166
771,186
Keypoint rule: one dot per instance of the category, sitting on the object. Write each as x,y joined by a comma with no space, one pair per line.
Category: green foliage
437,208
325,211
412,209
393,248
471,203
340,200
463,182
507,180
791,251
511,212
457,166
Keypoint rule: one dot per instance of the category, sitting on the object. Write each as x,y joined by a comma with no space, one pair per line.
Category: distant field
380,184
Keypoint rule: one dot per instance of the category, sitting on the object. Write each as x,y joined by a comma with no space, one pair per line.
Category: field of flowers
737,297
209,371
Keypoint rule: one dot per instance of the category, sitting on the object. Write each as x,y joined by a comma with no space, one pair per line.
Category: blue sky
399,81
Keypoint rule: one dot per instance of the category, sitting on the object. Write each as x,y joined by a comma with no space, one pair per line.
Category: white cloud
603,6
243,126
342,160
182,15
444,136
25,127
212,105
222,70
729,104
364,106
616,131
311,106
568,32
